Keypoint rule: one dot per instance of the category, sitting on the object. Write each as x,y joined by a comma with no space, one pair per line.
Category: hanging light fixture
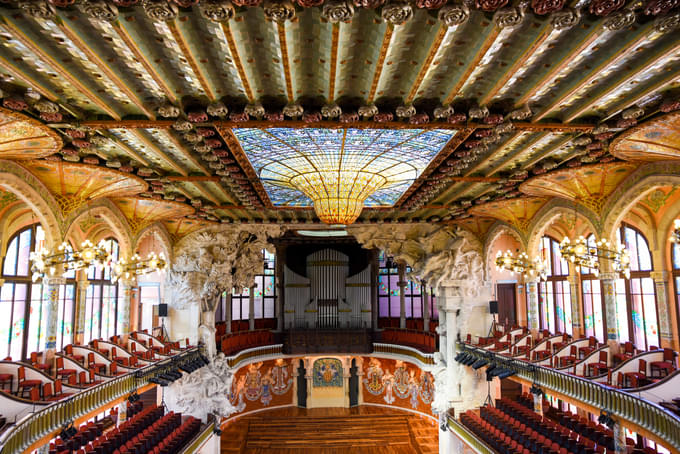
675,236
64,259
136,266
581,254
521,265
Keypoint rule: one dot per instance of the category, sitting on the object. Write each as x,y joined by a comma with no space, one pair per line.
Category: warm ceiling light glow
339,171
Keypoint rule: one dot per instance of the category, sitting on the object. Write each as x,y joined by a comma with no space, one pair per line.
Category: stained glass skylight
300,166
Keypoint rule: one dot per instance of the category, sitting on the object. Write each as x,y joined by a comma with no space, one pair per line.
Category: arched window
264,294
101,301
23,303
554,294
591,289
636,297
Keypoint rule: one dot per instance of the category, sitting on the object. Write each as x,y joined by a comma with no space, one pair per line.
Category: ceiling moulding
654,140
22,137
142,212
589,185
73,185
517,212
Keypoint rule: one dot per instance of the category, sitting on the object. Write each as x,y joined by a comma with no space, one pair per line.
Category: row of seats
235,342
244,325
176,440
417,324
422,341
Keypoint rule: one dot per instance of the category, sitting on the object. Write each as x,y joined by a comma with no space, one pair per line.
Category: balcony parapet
640,413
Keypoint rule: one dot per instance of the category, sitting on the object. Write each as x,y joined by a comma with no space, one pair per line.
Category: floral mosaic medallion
327,373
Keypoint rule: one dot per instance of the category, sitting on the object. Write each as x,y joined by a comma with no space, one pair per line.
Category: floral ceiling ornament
509,17
397,12
605,7
405,111
39,9
167,110
217,10
278,11
309,3
634,112
331,111
217,109
453,15
338,11
293,110
543,7
582,141
254,110
618,20
490,5
160,10
45,106
443,112
659,7
182,125
665,24
100,9
478,113
430,4
369,4
565,19
367,112
521,114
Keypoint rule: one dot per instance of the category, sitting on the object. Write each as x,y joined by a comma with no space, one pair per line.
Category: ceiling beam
186,52
236,58
331,124
16,33
285,62
387,38
25,78
73,36
155,149
194,178
126,148
545,32
472,65
335,38
434,49
624,51
124,35
669,78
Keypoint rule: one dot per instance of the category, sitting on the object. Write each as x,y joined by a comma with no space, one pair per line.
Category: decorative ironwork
522,265
65,259
136,266
582,254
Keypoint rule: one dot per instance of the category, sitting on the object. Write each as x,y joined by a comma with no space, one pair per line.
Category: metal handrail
55,416
468,437
647,415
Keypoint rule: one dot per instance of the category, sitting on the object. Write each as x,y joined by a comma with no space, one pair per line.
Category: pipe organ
327,297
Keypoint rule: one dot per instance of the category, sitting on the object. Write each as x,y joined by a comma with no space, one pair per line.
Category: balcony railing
50,419
468,437
642,413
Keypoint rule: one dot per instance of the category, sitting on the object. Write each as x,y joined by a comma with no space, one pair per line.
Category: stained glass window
264,295
389,292
293,164
636,297
554,295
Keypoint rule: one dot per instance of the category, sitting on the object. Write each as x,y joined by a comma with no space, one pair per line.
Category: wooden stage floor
359,430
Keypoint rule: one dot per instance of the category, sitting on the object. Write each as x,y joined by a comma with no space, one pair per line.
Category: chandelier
136,266
585,255
675,235
521,265
64,259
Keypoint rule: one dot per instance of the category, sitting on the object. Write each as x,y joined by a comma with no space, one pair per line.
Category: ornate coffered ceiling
161,90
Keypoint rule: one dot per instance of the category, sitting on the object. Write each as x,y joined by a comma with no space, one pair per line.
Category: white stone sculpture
210,262
203,392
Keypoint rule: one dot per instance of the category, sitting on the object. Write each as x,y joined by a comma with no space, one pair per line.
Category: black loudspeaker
162,310
493,307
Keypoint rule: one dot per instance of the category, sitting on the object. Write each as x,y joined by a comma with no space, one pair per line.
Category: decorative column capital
609,276
661,275
129,282
83,284
53,280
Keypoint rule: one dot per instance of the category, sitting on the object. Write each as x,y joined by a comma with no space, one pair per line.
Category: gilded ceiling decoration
142,212
516,212
182,227
75,184
654,140
479,226
159,90
22,137
588,185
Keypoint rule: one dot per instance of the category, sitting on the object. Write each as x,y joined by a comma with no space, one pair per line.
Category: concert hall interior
322,226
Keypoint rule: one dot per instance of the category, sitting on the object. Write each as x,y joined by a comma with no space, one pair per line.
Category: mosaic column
661,287
426,306
51,288
538,403
374,289
251,309
574,291
80,309
619,438
608,281
532,305
402,295
126,287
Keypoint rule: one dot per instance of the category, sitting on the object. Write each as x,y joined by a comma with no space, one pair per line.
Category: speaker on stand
493,310
162,314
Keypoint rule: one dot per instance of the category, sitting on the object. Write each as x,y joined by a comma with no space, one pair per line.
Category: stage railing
647,415
52,418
